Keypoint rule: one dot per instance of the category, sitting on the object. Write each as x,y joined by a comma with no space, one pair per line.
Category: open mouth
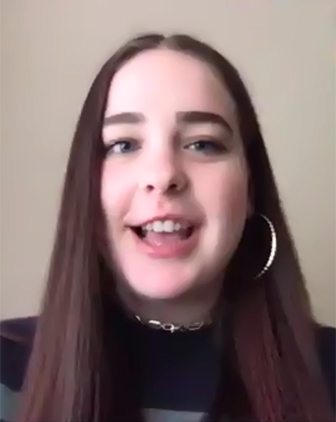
182,231
166,238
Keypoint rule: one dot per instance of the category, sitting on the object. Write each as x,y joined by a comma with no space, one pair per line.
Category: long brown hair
78,372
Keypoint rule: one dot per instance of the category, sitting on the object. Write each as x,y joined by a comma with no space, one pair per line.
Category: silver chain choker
172,328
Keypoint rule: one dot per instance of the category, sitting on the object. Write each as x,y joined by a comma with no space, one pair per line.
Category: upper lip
181,218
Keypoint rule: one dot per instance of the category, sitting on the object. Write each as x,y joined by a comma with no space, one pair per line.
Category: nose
165,176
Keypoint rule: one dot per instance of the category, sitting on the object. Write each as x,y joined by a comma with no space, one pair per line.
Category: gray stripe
159,415
8,400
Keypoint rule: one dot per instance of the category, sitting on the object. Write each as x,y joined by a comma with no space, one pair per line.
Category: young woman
174,291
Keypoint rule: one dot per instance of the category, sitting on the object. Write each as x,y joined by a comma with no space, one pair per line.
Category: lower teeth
184,234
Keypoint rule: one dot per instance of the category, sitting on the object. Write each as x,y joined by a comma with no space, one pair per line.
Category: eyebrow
197,117
182,117
122,118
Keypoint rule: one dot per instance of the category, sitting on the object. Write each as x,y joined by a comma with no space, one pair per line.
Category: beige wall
52,48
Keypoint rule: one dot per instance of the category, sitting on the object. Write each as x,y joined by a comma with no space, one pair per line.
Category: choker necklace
172,328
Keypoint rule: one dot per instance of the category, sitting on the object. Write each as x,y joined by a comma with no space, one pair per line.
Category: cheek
115,192
223,191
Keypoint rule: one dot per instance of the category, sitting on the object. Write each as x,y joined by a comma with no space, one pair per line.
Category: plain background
52,49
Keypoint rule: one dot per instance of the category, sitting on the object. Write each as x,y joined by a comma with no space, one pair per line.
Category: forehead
165,81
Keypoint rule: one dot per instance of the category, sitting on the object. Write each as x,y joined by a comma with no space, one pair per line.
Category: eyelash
111,145
216,147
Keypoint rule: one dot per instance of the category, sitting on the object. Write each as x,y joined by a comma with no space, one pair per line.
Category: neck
189,308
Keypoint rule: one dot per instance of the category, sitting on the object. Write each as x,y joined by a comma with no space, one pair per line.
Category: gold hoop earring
273,250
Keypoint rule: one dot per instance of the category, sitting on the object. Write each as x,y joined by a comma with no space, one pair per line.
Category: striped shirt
180,369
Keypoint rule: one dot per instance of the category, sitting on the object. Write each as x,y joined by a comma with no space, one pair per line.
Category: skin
203,160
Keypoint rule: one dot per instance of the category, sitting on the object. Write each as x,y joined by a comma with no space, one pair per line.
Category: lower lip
180,249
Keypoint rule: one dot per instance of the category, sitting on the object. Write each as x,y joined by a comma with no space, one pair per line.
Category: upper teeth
167,226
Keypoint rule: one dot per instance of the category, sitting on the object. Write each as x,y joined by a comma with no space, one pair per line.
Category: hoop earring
273,250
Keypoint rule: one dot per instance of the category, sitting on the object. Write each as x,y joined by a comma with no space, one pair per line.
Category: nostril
173,187
149,188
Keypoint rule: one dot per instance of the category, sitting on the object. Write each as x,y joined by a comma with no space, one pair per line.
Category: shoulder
16,338
326,345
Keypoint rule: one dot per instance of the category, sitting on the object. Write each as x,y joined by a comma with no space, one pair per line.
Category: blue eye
208,147
123,146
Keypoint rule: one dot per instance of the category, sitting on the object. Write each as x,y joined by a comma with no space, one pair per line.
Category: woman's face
174,180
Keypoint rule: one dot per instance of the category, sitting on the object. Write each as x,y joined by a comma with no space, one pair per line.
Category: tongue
163,239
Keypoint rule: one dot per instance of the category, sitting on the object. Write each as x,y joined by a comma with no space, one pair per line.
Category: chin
160,288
